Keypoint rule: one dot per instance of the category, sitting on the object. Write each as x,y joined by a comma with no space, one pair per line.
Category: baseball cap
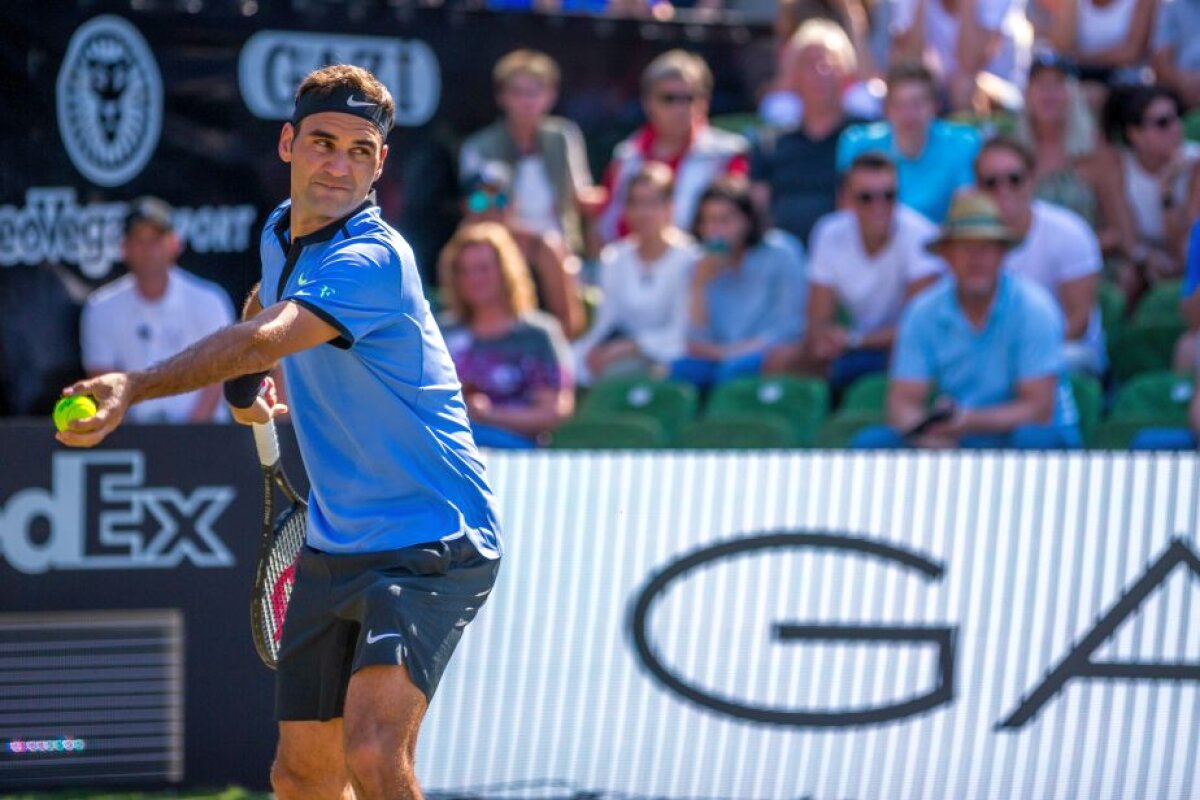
1048,59
495,175
149,209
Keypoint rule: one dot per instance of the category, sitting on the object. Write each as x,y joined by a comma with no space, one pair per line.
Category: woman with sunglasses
676,88
512,360
747,294
1158,171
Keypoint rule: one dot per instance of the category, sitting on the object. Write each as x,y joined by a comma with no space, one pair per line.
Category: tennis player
403,542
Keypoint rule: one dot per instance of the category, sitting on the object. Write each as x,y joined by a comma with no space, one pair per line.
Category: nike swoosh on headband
356,103
373,639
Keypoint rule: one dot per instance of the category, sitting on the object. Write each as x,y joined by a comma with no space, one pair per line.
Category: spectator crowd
987,213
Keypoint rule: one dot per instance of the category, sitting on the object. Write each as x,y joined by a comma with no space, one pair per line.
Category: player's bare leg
310,763
383,715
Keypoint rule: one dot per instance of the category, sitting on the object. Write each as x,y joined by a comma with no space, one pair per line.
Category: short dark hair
654,174
735,191
1010,143
1126,108
870,161
910,72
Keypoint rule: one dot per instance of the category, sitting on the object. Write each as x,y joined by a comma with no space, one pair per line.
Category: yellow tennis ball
77,406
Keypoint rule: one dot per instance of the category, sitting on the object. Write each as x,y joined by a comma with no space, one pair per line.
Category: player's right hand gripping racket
278,550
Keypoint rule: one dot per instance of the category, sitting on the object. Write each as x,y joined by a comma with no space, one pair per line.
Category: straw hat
973,217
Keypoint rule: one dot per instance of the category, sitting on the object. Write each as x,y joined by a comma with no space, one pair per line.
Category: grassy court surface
101,794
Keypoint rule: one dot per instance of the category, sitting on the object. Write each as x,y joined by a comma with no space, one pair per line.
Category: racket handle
267,443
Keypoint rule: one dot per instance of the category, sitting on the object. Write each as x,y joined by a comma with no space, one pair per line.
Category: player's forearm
235,350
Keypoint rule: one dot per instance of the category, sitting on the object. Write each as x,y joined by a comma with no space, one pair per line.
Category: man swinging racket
403,544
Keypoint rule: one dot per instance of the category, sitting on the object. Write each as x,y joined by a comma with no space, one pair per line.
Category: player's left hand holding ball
112,393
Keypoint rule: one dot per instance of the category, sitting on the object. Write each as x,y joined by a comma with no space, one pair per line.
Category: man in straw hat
989,343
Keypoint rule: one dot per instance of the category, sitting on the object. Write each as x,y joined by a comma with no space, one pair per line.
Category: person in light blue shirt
403,544
987,343
748,291
933,157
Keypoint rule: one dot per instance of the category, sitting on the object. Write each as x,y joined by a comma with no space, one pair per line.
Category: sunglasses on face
887,196
1013,180
480,201
674,98
1162,123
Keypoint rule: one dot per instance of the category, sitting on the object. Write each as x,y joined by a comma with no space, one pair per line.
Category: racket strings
280,576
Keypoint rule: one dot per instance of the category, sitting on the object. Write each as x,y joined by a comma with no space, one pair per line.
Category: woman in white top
1158,171
1104,36
641,324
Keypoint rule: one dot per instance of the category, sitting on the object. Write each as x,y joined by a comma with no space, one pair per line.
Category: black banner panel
91,697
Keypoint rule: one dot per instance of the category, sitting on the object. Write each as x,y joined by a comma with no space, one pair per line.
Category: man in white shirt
869,259
1058,250
152,313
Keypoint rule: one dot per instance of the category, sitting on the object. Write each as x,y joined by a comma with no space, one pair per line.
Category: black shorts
349,611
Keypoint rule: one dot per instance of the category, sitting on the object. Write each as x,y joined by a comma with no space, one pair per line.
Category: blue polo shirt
926,183
378,411
1022,340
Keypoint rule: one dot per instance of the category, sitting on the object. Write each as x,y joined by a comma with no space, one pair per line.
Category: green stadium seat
673,404
1191,125
838,431
1142,348
799,403
1160,306
868,393
609,432
1111,300
1089,400
1150,400
739,432
744,123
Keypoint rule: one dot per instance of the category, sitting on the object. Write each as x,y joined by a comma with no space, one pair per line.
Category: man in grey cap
989,342
152,312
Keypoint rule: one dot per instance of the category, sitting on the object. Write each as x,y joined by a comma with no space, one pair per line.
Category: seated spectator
1057,250
152,313
933,157
988,342
676,88
552,181
968,52
512,360
1175,49
487,197
868,259
746,294
795,171
1109,40
1158,169
641,324
1070,168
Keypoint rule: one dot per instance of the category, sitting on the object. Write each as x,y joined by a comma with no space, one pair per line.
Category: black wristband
240,392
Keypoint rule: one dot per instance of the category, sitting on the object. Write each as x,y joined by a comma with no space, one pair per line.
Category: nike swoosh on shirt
302,280
373,639
353,103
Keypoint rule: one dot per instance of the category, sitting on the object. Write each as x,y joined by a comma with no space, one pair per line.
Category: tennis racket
278,550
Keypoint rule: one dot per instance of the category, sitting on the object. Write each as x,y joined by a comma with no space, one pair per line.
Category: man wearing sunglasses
676,88
1057,249
868,259
987,343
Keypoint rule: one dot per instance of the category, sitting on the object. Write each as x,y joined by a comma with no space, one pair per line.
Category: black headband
343,100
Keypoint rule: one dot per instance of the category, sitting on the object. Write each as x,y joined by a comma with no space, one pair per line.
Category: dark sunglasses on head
674,98
480,201
1013,180
868,198
1162,123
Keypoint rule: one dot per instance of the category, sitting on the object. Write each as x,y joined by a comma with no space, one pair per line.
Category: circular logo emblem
109,101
